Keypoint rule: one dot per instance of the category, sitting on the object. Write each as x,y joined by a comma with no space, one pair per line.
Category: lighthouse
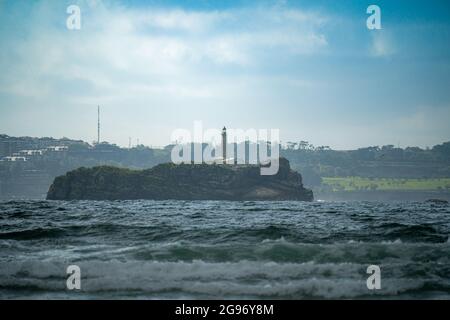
224,145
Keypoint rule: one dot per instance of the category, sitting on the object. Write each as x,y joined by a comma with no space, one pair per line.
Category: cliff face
183,182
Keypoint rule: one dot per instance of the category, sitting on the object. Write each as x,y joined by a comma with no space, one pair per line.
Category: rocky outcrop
182,181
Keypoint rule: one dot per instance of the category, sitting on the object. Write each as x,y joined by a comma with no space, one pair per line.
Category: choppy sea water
225,250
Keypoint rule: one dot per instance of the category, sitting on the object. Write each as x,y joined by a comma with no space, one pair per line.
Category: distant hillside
32,178
371,162
10,145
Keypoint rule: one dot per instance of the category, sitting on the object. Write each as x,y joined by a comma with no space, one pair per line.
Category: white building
30,153
14,159
57,148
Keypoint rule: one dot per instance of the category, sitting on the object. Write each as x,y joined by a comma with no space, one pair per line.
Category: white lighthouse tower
224,145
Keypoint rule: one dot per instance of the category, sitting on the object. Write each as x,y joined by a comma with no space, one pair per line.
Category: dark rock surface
183,182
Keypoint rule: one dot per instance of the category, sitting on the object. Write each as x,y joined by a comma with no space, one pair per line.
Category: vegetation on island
180,182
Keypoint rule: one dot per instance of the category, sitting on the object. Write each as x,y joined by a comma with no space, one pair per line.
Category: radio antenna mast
98,125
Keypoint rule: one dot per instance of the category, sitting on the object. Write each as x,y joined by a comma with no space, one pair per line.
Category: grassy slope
358,183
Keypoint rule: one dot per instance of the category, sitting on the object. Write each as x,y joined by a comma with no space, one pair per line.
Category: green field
359,184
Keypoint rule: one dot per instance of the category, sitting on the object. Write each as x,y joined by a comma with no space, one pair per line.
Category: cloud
119,46
382,44
249,66
423,126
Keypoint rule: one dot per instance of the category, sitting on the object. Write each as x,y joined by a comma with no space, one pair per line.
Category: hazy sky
310,68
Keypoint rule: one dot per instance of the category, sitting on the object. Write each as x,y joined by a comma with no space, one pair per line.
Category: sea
224,250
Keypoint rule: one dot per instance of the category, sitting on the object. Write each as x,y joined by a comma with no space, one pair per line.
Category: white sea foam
397,241
157,249
199,278
282,240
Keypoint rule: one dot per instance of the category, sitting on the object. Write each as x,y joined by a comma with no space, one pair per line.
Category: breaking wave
212,249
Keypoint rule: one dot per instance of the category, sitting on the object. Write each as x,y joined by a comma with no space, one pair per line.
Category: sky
311,69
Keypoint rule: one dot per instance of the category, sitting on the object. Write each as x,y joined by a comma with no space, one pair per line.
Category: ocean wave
35,233
413,231
245,279
214,249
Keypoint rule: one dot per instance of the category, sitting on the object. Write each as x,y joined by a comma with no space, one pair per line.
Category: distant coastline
381,195
362,174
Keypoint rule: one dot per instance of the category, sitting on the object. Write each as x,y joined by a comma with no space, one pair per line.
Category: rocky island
180,182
